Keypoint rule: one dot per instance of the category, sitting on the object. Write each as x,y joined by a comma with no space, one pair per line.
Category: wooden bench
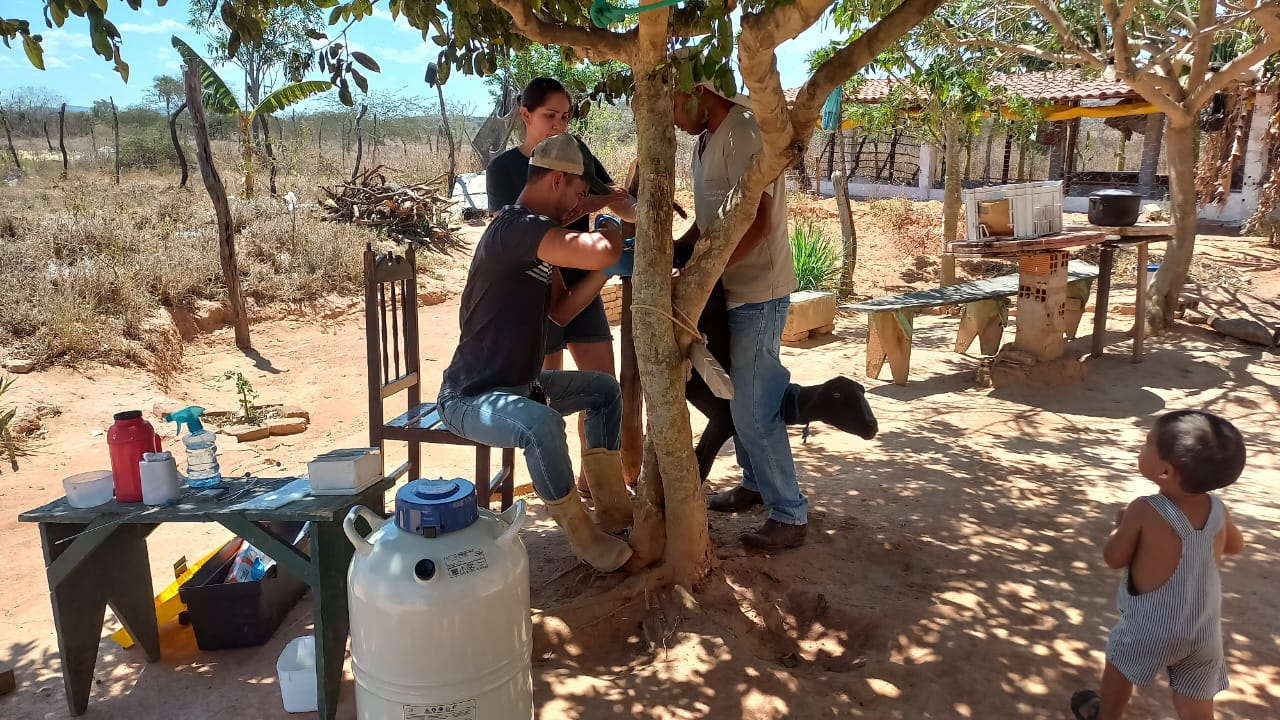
985,314
391,333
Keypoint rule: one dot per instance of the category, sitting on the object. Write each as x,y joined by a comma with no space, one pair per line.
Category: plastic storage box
296,669
1036,208
344,472
244,614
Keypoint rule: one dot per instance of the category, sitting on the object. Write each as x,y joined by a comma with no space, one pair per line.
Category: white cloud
6,60
167,25
419,54
51,63
97,76
77,58
401,22
62,40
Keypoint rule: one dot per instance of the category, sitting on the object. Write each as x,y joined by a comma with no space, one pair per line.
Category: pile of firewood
408,213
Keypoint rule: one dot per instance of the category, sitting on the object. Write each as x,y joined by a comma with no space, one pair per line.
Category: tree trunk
62,138
1172,275
177,146
1008,157
661,355
115,129
991,144
271,155
48,143
1151,141
222,208
246,152
8,136
448,136
952,130
359,141
848,235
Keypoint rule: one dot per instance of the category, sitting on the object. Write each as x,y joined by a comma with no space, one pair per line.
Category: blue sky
74,72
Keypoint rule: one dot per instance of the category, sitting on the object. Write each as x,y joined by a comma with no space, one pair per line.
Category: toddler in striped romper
1169,546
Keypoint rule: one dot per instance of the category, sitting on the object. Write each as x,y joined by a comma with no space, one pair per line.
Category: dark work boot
774,535
839,402
736,500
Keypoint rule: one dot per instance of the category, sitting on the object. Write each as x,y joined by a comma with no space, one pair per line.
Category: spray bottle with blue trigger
202,448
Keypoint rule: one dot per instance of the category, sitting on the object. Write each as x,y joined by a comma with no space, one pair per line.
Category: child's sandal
1086,704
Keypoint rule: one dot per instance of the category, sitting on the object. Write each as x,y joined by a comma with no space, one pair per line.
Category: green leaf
344,95
233,44
368,62
322,4
35,53
218,97
335,15
291,95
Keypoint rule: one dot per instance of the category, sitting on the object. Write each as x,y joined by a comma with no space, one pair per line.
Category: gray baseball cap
568,154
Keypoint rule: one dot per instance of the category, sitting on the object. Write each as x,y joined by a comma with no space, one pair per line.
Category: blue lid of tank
431,508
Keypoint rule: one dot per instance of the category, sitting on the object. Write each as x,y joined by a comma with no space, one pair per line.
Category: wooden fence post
62,137
115,129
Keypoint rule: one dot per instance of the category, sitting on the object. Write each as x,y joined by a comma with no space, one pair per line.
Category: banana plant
218,98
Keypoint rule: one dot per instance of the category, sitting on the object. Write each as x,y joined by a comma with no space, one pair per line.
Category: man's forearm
577,297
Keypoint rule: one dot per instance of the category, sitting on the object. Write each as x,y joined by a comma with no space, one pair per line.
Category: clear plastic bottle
202,449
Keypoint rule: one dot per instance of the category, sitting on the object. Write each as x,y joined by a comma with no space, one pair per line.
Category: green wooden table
98,557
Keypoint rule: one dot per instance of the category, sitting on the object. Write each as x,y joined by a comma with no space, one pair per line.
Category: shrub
150,148
817,261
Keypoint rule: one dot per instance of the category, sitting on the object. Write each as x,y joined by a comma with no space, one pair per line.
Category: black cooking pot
1114,208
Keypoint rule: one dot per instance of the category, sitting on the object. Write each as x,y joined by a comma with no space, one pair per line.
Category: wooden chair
391,333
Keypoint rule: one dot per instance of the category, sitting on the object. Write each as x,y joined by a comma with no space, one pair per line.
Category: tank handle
361,544
513,517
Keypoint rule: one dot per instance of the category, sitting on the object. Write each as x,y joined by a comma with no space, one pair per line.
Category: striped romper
1179,625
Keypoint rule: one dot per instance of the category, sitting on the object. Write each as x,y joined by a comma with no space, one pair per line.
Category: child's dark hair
535,94
1205,450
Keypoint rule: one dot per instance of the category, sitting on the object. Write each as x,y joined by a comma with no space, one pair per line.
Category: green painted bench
985,314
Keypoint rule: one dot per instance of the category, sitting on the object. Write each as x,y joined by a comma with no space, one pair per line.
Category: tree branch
850,59
1203,53
596,44
1232,72
1027,51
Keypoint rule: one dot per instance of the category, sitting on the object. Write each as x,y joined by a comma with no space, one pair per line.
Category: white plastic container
344,472
296,670
160,480
89,489
439,605
1036,208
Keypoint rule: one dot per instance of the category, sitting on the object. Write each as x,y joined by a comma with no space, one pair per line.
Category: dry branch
408,213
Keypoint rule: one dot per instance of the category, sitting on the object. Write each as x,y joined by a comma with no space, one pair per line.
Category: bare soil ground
953,568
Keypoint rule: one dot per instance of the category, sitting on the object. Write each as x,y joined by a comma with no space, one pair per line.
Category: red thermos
129,437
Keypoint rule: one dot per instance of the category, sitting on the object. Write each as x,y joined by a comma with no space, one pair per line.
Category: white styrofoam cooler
344,472
1035,208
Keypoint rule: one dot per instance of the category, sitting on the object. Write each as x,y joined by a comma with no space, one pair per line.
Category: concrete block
809,310
247,433
19,366
8,683
287,426
293,411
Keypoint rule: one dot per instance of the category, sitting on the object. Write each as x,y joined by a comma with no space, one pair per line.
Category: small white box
344,472
296,669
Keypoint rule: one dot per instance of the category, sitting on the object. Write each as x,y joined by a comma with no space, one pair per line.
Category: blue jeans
507,417
759,384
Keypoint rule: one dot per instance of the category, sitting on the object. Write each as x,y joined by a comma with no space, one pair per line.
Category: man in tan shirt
758,283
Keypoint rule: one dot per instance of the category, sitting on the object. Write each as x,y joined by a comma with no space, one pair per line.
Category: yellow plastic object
168,604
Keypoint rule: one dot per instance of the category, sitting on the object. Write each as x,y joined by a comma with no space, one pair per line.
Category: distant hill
78,108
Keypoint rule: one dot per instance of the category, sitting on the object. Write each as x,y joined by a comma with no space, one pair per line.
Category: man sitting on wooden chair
495,391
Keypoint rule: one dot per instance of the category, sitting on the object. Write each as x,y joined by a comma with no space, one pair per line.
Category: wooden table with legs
1138,236
98,557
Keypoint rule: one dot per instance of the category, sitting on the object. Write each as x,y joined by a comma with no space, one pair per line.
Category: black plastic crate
234,615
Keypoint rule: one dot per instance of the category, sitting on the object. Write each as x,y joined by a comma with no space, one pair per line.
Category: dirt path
953,571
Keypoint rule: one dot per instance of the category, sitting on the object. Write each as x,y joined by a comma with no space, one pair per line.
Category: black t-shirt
504,306
504,181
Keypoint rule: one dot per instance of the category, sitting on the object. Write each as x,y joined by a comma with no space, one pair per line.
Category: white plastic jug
439,604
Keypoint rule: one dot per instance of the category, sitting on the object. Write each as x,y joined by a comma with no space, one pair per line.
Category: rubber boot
603,469
598,549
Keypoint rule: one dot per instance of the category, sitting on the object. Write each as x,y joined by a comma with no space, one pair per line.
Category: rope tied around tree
604,13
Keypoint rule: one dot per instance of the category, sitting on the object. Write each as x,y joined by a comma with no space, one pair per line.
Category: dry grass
916,225
86,268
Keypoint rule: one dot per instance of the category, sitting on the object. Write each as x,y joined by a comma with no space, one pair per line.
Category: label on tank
465,562
464,710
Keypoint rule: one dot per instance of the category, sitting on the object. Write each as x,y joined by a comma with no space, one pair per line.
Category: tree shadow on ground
953,569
